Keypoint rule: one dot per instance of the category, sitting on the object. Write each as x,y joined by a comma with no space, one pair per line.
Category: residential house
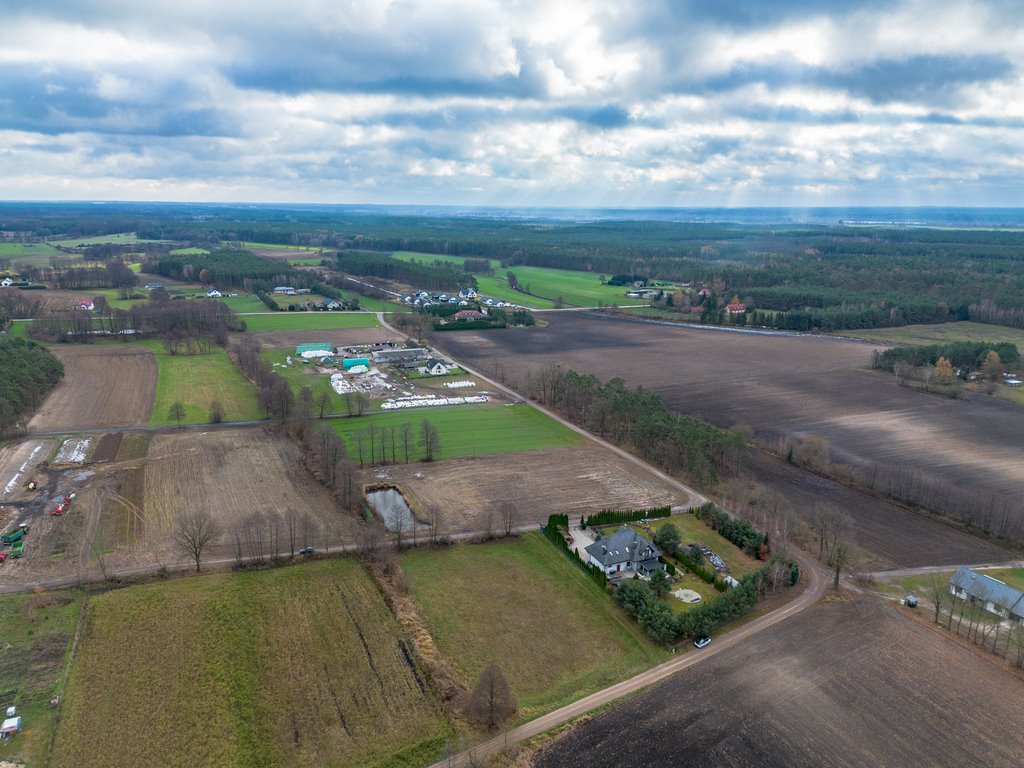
330,305
467,293
154,285
213,293
468,314
736,309
87,306
435,367
625,551
994,595
6,282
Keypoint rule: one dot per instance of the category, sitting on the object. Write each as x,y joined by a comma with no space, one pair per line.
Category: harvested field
495,603
103,386
851,683
777,385
232,474
299,666
577,480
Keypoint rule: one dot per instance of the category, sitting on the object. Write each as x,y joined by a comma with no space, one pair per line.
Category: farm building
285,289
356,362
625,551
400,355
435,367
314,351
994,595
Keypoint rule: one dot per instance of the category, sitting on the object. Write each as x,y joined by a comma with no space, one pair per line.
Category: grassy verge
197,380
309,321
942,333
522,604
295,666
37,634
469,430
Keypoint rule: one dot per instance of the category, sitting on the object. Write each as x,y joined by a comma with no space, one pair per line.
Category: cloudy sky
597,102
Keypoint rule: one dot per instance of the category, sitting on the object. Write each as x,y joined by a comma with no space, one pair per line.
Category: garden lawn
197,380
37,630
521,604
295,666
468,430
245,303
299,375
693,530
308,321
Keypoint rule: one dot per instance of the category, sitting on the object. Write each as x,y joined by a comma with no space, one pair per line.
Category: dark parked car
702,642
306,551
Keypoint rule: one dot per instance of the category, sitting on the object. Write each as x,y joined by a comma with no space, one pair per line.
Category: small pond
390,504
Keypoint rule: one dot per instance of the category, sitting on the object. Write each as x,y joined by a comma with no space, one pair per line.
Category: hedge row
740,532
609,516
551,533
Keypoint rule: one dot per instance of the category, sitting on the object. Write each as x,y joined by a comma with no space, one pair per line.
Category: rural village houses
625,551
995,596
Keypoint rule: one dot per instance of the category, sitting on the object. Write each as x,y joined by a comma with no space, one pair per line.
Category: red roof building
736,309
468,314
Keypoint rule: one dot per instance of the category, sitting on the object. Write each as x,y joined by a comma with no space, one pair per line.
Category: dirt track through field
103,386
852,683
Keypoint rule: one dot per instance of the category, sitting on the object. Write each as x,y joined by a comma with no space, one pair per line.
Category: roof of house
737,307
624,546
980,586
431,362
468,314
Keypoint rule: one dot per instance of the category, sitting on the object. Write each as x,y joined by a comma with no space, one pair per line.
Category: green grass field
522,604
37,630
245,302
918,584
576,288
308,321
124,238
189,252
295,262
923,335
299,376
296,666
276,247
28,254
469,430
18,328
197,380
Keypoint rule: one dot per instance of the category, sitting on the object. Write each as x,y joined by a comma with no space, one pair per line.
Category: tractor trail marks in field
103,386
850,682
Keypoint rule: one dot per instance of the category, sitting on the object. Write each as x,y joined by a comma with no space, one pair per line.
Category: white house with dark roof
625,551
435,367
992,594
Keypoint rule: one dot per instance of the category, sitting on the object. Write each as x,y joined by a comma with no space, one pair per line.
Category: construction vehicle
12,536
17,549
3,556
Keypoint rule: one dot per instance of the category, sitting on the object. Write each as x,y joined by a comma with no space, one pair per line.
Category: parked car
306,551
702,642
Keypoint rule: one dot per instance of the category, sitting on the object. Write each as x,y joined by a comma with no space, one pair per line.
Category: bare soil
848,682
103,386
339,337
574,481
788,385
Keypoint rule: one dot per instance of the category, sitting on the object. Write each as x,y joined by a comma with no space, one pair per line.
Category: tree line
638,418
431,277
28,372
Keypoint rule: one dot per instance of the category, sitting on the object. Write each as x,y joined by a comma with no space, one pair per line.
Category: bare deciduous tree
176,412
509,515
491,702
193,532
216,412
936,589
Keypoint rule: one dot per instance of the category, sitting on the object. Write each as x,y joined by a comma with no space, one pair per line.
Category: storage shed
354,362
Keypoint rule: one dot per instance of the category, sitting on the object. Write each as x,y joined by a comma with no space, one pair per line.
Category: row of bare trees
969,618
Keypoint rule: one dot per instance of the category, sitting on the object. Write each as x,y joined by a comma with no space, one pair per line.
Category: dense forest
27,374
638,418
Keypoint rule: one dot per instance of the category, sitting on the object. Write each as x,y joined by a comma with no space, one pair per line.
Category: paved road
814,584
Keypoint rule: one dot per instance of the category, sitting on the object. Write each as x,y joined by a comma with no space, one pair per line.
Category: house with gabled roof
993,595
625,551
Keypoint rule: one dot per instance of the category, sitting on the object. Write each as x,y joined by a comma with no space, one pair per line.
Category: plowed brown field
103,386
574,481
232,474
844,683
